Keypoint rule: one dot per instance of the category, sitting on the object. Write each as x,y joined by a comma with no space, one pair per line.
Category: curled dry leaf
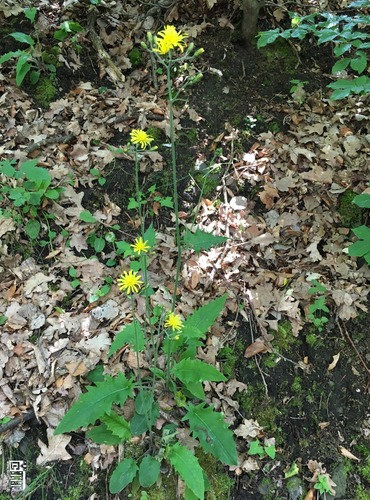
348,454
333,364
257,347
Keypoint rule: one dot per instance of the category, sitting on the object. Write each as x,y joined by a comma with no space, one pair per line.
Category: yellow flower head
174,321
129,282
169,38
140,246
138,136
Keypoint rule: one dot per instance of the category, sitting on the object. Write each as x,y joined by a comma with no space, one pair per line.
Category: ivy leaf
188,468
96,402
123,475
213,433
87,216
201,240
255,448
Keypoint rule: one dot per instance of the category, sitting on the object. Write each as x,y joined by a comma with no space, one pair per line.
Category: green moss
296,385
280,52
156,133
365,471
254,404
220,483
362,494
351,215
228,357
284,338
50,56
44,92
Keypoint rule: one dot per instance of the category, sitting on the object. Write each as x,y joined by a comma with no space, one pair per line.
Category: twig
12,424
50,140
348,338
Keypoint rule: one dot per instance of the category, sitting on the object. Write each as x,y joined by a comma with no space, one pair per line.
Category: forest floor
272,168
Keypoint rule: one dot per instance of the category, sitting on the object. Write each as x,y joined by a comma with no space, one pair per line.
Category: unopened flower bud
144,45
150,37
198,52
196,78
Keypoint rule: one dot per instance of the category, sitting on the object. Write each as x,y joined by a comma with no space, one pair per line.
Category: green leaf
32,229
102,435
340,65
270,451
123,475
255,448
117,425
197,325
9,55
124,248
86,216
144,402
96,402
362,232
23,38
213,433
149,471
99,244
131,334
21,69
267,37
362,200
3,319
30,13
149,236
359,64
188,468
201,240
52,194
194,371
359,248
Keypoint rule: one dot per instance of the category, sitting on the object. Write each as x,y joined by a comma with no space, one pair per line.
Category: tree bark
251,10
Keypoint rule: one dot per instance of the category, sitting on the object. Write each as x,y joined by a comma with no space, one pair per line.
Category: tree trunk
251,10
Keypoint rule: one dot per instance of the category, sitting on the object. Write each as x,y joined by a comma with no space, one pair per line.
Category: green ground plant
33,61
361,248
348,33
317,309
163,334
28,188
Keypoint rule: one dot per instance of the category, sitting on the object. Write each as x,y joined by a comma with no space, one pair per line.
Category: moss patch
351,215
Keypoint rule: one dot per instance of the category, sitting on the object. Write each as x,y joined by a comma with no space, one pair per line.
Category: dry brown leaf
347,454
257,347
333,364
55,450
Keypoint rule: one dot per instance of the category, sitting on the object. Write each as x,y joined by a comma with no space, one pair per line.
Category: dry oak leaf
56,449
257,347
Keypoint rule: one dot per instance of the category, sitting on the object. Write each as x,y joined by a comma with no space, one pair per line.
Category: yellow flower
174,321
168,39
138,136
129,282
140,246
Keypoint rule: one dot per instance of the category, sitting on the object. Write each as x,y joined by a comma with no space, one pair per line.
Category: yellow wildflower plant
129,282
169,38
140,246
174,321
138,136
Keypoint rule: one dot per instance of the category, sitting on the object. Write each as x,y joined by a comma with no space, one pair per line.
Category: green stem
174,181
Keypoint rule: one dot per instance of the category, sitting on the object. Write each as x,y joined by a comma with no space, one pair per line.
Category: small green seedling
322,484
255,448
316,310
361,248
297,90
